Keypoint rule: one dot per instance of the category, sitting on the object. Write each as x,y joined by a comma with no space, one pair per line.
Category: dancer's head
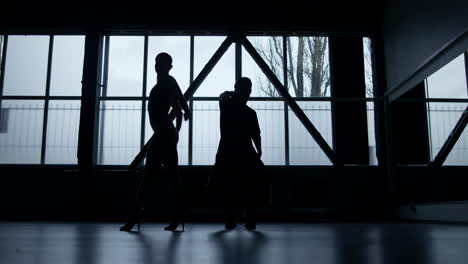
163,63
243,87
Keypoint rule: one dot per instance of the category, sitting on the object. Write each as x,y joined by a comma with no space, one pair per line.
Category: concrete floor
399,243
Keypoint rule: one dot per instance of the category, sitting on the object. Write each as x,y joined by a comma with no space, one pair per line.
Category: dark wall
40,193
296,15
415,32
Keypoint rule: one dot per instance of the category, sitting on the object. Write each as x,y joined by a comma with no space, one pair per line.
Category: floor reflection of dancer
162,152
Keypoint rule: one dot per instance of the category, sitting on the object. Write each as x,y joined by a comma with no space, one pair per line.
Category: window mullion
143,99
102,104
286,110
466,69
238,61
2,65
46,103
190,135
2,68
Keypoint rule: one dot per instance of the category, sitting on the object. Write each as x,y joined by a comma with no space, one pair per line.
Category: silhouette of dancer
162,152
238,165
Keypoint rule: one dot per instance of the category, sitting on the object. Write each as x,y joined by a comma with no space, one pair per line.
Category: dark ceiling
293,15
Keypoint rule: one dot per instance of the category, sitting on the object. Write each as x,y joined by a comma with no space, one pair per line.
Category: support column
89,120
350,139
409,128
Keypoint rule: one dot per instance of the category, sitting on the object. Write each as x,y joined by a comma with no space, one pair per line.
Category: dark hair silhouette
243,86
165,58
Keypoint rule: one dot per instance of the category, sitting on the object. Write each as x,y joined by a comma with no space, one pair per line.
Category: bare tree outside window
368,67
308,68
308,65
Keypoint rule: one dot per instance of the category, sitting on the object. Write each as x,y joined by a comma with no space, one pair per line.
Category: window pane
26,65
62,132
179,49
182,146
442,120
125,66
271,120
303,150
222,77
368,67
2,41
67,65
449,81
308,70
271,50
205,132
459,153
21,131
120,131
371,134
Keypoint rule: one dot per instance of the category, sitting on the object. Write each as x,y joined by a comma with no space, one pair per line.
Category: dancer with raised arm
238,167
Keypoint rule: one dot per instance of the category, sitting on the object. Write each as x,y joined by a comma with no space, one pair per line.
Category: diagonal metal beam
451,140
290,101
190,91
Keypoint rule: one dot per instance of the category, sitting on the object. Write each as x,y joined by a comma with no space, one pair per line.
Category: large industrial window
447,98
41,93
40,98
301,63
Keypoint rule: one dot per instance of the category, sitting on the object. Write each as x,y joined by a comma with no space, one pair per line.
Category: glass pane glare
271,50
119,132
125,76
308,66
67,65
21,131
303,150
26,65
179,49
222,77
62,132
449,81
